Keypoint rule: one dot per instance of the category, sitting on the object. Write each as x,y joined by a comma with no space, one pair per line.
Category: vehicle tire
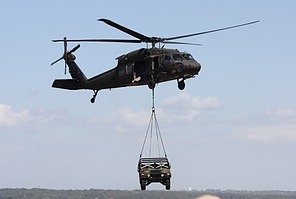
143,185
168,184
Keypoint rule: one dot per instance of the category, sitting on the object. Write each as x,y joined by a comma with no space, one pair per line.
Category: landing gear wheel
181,85
168,185
151,84
92,100
143,185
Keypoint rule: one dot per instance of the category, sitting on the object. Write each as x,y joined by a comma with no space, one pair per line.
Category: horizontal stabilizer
70,84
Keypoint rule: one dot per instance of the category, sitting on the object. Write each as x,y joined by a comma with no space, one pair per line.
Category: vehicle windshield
188,56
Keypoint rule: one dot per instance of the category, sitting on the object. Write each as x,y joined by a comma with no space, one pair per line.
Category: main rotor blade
210,31
101,40
140,36
172,42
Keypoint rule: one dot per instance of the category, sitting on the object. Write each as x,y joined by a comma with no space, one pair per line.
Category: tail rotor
66,54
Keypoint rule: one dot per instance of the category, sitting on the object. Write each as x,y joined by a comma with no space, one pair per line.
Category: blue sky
233,127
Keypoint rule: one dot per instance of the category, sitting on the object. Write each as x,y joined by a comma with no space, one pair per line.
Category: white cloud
30,120
8,117
184,107
276,125
125,119
282,113
184,100
181,109
269,133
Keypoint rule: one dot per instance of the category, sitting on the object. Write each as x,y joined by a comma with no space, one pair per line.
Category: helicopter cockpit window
167,59
188,56
177,57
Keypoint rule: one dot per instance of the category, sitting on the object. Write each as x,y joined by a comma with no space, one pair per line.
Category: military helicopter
145,66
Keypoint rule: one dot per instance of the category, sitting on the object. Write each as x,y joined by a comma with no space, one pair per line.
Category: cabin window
129,68
156,62
126,69
121,70
177,57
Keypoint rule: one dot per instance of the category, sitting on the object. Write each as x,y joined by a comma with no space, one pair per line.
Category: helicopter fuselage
139,67
146,66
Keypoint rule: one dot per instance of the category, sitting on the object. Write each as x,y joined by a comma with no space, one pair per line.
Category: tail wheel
93,99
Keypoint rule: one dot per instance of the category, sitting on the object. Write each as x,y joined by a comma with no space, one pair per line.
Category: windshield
177,57
188,56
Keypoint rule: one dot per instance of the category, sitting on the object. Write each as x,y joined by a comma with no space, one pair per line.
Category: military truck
153,170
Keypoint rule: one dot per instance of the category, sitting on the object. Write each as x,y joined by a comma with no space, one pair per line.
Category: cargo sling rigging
154,169
153,127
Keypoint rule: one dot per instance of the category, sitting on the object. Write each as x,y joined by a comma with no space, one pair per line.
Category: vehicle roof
158,159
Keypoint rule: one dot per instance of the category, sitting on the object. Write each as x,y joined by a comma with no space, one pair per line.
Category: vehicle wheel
168,185
143,185
151,84
181,85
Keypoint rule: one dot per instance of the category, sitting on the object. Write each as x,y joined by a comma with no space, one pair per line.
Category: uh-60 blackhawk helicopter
145,66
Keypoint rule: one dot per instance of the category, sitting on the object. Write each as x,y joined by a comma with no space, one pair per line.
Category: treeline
121,194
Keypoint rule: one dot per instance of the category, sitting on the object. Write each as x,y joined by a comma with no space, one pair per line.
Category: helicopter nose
197,67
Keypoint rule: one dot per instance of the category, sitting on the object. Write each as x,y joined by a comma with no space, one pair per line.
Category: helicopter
144,66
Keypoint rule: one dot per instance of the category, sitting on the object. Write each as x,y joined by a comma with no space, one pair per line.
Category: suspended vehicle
157,169
145,66
154,168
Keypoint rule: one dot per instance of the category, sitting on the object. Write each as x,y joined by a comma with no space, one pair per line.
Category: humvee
154,170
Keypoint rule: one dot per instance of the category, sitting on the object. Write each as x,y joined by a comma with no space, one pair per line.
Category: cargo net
153,136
